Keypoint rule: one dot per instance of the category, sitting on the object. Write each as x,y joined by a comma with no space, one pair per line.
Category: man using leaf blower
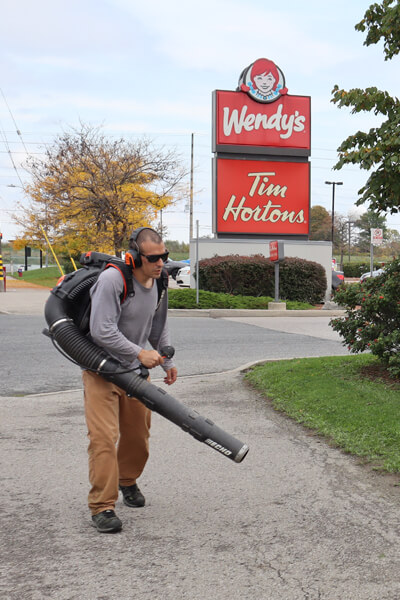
118,425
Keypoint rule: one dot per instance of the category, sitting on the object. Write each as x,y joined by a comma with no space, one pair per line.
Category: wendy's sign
260,116
256,197
261,142
244,125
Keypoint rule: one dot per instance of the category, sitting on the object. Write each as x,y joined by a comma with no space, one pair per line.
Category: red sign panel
241,121
273,251
262,197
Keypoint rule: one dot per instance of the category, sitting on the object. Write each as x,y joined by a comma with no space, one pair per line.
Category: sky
137,68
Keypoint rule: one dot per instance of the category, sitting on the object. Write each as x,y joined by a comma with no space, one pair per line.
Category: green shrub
299,279
372,320
186,298
234,274
302,280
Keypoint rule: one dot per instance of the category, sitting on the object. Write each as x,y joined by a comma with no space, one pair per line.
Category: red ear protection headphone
132,256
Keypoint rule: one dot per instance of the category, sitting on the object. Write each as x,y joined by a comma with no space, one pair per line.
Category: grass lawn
47,277
346,399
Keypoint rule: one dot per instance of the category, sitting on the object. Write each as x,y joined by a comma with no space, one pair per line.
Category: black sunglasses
153,258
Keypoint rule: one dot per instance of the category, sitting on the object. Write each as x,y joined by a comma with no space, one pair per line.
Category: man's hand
171,376
150,358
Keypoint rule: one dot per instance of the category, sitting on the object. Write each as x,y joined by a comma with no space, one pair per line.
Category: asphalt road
296,520
31,365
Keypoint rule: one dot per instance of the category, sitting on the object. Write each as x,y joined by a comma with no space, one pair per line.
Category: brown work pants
119,431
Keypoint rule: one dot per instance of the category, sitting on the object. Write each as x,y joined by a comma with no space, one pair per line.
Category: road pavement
203,345
296,520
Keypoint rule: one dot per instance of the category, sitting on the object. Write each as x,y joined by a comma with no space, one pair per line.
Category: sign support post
371,259
376,240
276,255
276,267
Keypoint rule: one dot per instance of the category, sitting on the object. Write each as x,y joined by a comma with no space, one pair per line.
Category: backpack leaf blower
73,343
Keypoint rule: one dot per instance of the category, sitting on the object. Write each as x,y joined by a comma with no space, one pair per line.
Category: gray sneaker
132,496
107,522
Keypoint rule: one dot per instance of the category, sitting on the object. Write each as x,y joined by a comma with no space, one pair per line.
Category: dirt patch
12,284
381,374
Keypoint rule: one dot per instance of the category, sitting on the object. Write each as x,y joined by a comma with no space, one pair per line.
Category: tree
321,228
392,242
176,246
369,220
341,235
320,223
90,192
379,148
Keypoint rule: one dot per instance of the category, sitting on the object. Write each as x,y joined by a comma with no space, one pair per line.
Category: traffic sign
376,237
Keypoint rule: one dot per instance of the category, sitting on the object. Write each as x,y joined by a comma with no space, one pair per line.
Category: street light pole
333,184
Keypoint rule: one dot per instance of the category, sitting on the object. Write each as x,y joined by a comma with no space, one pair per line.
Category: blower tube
89,356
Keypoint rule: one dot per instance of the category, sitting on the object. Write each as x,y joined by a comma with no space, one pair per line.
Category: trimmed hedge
238,275
299,279
302,280
186,298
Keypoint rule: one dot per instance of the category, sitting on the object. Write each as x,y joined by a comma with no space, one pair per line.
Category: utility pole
333,184
1,267
191,190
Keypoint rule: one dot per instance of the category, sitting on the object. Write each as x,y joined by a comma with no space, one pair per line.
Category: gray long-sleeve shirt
124,329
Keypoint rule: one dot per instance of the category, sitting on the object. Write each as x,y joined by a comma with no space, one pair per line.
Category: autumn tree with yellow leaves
90,192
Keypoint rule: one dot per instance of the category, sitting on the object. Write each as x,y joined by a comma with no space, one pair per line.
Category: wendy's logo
263,81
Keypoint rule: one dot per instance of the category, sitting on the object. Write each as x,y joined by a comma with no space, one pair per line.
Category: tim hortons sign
257,197
260,116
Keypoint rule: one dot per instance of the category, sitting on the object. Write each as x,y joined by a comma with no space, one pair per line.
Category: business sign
242,124
261,141
257,197
276,251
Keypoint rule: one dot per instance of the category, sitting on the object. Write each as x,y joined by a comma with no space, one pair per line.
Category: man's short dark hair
143,236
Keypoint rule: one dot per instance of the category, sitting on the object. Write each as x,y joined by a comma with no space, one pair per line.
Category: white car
376,273
183,277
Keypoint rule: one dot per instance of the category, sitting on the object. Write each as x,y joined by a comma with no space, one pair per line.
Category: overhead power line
6,140
10,154
16,126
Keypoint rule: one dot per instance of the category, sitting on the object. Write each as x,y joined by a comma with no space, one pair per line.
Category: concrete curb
219,313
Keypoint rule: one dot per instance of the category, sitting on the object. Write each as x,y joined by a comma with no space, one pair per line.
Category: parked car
173,266
337,279
183,277
376,273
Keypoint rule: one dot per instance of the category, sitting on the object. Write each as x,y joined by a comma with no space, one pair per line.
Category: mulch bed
380,374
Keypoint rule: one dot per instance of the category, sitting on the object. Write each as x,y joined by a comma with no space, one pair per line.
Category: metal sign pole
276,254
277,281
372,259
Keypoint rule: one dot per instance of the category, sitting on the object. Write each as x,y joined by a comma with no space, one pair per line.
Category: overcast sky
149,67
